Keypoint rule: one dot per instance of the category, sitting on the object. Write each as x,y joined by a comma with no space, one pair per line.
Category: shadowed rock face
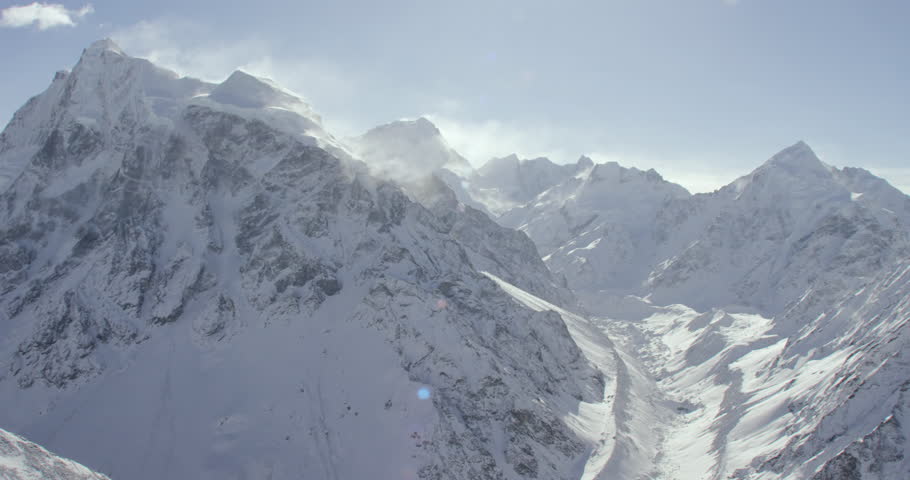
24,460
203,291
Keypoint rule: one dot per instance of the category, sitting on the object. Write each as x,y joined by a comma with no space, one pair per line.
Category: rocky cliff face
200,278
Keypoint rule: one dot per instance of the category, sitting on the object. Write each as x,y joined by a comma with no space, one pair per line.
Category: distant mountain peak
791,169
798,155
584,162
612,171
99,56
419,129
103,45
424,124
407,150
248,91
514,162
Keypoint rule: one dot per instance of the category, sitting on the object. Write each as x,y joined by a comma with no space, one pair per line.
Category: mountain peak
407,150
423,124
247,91
792,169
584,162
100,54
798,155
103,45
497,163
417,129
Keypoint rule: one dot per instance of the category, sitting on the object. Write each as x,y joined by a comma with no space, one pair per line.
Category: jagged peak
614,172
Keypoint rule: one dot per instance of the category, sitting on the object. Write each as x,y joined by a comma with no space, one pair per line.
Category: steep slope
198,282
23,460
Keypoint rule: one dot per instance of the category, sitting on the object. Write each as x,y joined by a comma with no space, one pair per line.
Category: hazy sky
701,90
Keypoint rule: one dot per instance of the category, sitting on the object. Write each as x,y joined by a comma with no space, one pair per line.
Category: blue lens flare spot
423,393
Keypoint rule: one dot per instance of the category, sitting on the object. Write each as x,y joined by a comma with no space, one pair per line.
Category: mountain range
200,281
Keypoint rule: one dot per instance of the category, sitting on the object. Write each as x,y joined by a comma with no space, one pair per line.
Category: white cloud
45,15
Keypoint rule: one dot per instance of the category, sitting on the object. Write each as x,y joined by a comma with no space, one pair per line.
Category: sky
703,91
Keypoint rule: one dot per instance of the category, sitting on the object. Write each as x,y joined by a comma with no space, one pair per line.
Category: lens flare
423,393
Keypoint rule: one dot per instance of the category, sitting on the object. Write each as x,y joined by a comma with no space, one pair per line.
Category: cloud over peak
44,15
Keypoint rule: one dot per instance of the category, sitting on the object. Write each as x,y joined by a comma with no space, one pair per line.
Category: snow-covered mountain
771,314
597,227
507,182
792,224
409,149
818,391
415,156
198,281
410,152
23,460
758,242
